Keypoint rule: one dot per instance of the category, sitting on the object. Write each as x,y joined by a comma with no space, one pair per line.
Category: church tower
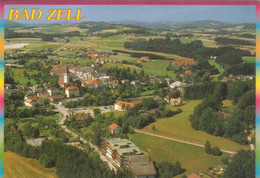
66,76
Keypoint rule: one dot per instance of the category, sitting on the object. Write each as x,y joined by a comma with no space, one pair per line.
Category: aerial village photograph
130,92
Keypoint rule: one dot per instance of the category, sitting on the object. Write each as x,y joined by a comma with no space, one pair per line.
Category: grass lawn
249,59
81,62
54,117
179,127
18,166
19,76
158,68
219,67
109,65
192,158
147,93
117,114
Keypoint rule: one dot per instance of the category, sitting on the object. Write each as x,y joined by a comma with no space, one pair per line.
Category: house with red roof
175,101
193,175
72,92
31,101
120,105
114,128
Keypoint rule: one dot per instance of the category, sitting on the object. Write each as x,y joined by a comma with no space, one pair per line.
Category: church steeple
66,76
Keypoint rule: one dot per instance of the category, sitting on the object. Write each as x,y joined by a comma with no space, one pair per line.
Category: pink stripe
2,8
257,101
134,2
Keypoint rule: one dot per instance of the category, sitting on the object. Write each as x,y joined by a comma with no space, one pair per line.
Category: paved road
181,141
65,112
60,48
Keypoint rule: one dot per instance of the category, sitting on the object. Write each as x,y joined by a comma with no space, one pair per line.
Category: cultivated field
192,158
21,167
179,127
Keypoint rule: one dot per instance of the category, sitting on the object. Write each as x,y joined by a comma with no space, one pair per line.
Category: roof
72,88
55,97
167,98
130,104
32,99
143,168
188,72
113,126
61,80
193,175
93,82
123,146
175,100
43,93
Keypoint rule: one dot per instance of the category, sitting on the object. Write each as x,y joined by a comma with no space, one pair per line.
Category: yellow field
18,166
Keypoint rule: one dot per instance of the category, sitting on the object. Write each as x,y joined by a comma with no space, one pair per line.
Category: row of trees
241,69
47,36
225,40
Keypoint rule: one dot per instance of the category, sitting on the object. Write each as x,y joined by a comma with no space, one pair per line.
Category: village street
65,112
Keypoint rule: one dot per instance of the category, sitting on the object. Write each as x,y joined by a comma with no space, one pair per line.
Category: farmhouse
179,85
114,128
72,92
31,101
120,105
175,101
56,98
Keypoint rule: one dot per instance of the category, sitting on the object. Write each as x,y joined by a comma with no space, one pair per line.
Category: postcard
129,89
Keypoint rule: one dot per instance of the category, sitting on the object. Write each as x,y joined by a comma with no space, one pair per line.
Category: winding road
65,112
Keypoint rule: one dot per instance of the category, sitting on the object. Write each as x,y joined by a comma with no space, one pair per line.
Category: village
135,107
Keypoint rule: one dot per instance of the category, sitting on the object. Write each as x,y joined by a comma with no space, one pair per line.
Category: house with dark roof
141,166
56,98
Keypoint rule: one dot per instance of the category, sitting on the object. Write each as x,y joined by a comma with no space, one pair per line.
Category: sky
146,13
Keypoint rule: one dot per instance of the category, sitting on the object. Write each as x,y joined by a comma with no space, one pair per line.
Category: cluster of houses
53,94
232,77
88,76
125,154
143,59
182,62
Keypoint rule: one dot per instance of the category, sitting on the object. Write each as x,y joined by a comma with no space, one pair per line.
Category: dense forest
241,118
224,41
68,161
194,49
